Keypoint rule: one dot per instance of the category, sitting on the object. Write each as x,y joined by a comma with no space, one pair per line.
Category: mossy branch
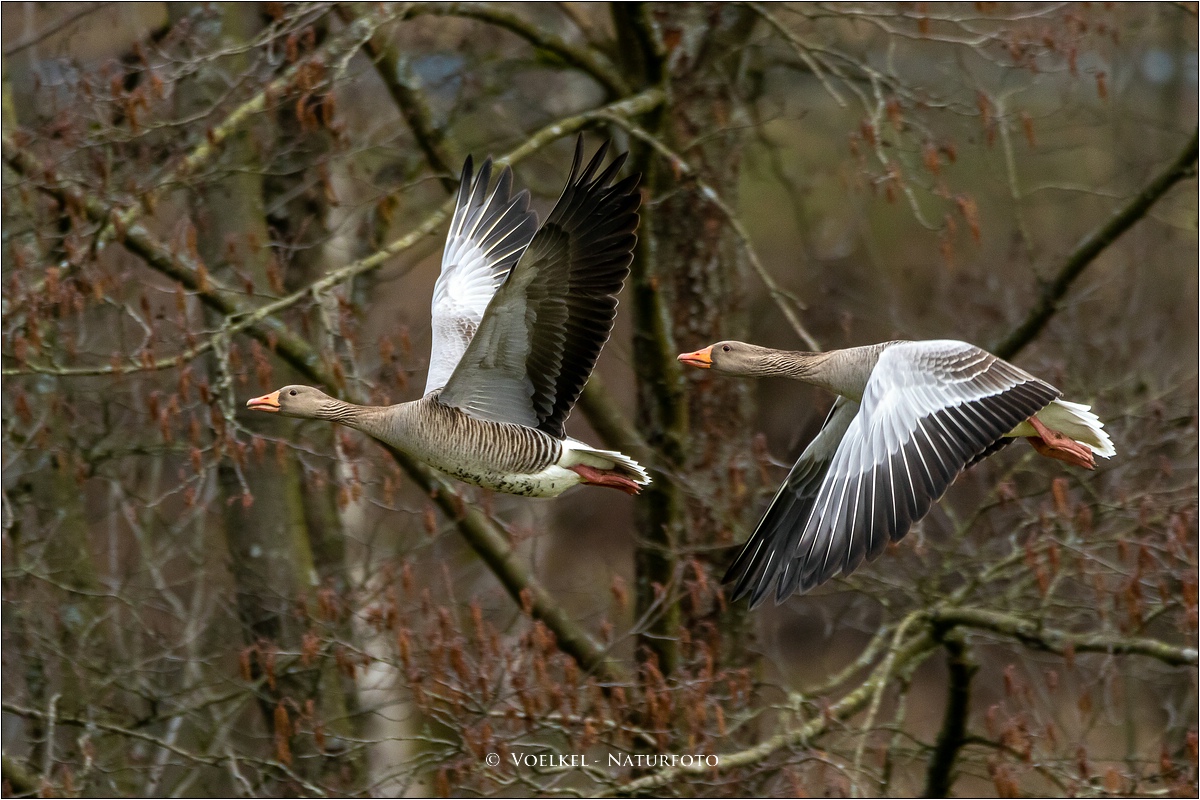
905,653
244,317
1039,637
336,48
20,779
902,655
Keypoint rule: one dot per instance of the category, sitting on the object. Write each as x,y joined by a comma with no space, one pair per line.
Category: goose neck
797,364
843,372
368,419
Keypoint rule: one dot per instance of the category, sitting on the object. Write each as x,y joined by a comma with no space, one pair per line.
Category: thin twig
801,49
332,50
888,665
57,27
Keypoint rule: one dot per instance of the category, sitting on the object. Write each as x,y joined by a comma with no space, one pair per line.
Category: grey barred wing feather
543,331
488,233
929,410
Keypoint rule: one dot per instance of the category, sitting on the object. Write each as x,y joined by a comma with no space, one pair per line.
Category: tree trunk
688,288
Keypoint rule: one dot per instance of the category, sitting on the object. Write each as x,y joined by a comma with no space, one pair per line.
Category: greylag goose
909,417
519,318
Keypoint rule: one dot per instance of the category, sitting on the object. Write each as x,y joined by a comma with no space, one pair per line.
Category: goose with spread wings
520,314
909,417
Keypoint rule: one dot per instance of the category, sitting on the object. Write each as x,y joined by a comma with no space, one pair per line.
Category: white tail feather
1077,421
576,452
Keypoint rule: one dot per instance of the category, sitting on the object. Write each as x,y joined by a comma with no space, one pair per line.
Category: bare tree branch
58,26
190,756
901,655
1035,635
1183,166
781,298
584,58
334,49
409,101
244,317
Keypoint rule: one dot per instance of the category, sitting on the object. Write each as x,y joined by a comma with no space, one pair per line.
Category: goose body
910,416
520,314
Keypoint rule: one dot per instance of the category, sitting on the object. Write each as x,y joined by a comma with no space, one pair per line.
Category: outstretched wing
544,329
487,234
757,563
929,410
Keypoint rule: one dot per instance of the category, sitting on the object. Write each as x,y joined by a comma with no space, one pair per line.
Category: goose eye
292,392
725,348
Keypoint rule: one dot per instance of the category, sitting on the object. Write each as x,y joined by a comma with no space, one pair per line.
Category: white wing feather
488,233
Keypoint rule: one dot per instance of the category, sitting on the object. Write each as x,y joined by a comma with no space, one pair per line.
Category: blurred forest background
203,202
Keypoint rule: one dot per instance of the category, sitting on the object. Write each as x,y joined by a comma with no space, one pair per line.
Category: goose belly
549,482
499,456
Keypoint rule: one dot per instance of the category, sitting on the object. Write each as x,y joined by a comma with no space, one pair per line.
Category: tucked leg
599,477
1053,444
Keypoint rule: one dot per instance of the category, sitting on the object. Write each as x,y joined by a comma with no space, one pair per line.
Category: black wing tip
583,179
523,198
600,221
776,563
749,576
504,182
742,586
597,160
465,183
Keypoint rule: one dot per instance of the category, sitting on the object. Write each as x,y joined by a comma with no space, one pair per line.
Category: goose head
731,358
295,401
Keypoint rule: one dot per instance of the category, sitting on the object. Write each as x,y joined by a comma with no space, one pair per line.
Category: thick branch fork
1040,637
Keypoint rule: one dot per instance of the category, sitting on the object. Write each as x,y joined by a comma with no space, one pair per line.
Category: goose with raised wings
520,314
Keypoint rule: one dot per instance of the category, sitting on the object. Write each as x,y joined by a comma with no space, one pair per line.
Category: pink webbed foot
599,477
1053,444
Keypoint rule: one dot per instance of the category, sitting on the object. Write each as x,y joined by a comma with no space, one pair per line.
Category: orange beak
268,402
700,358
